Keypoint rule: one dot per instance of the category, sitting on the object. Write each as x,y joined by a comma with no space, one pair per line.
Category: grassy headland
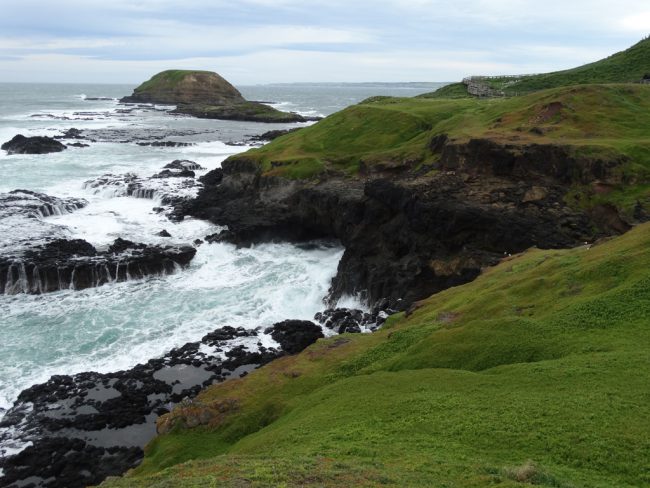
598,121
629,66
537,372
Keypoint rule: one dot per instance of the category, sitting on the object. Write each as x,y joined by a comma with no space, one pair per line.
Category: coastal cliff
432,209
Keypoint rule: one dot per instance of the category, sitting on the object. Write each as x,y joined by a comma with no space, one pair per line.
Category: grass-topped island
205,94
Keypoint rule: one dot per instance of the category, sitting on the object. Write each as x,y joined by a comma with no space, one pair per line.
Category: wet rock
183,164
90,425
171,188
75,264
78,144
71,133
343,320
408,235
295,335
32,145
122,245
60,462
164,233
23,220
34,205
273,134
212,178
165,144
168,173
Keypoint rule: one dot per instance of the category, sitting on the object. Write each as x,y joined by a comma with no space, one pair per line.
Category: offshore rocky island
206,95
500,242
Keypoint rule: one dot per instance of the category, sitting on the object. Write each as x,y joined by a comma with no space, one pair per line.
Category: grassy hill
628,66
167,80
607,121
536,373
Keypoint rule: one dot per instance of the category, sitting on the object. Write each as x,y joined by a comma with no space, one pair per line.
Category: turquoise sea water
118,325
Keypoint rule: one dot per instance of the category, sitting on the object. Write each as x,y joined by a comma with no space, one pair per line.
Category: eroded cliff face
408,235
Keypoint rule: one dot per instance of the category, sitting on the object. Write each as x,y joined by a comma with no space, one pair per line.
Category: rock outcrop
295,335
77,430
205,94
75,264
32,145
408,235
186,87
97,424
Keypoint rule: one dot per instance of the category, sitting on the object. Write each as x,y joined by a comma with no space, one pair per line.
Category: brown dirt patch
547,113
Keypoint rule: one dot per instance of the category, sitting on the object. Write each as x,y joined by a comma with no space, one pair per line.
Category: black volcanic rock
71,133
183,164
409,235
295,335
271,135
76,264
32,145
212,178
352,321
168,173
88,426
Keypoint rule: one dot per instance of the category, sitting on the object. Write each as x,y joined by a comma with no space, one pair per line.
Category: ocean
118,325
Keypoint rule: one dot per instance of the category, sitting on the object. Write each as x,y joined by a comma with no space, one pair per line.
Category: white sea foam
292,107
118,325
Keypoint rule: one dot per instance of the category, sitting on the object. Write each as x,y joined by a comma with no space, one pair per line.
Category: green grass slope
167,80
454,90
606,121
629,66
536,373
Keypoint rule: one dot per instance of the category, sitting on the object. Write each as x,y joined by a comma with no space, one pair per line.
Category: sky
282,41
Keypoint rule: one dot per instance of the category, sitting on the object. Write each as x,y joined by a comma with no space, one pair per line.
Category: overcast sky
267,41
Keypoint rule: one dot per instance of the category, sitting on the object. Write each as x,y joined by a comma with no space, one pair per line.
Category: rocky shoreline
90,425
410,232
407,234
75,264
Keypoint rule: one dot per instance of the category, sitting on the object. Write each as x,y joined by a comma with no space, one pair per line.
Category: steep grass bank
537,372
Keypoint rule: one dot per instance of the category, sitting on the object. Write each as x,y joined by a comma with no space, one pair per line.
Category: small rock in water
183,164
164,233
32,145
71,133
351,321
168,173
165,144
295,335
